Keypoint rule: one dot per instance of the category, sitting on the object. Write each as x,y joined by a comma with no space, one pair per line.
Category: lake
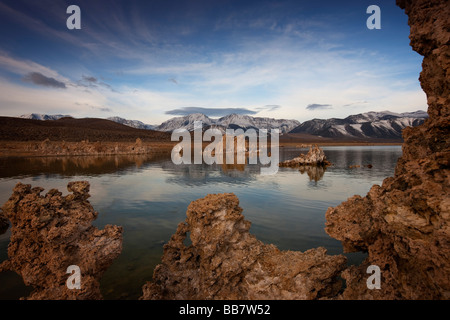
148,197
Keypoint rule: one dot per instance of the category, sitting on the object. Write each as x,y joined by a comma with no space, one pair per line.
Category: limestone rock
225,261
315,156
52,232
404,223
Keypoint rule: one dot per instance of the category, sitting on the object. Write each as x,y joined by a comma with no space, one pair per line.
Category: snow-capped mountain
232,121
246,122
39,116
132,123
186,122
385,124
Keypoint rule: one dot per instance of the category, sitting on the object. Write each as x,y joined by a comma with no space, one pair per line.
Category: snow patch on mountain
132,123
40,116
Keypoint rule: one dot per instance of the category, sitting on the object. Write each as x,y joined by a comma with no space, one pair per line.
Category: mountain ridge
382,124
231,121
372,124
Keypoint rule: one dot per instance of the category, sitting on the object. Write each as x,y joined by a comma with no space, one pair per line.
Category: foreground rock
404,224
52,232
225,261
314,157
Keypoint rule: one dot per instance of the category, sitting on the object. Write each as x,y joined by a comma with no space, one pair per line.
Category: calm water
149,197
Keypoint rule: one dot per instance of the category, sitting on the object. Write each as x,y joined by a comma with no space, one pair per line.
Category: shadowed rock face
49,233
404,224
3,223
225,261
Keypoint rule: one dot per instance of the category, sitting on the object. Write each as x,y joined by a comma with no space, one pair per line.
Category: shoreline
49,148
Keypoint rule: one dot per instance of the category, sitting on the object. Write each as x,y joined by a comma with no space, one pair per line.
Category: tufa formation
314,157
225,261
404,223
52,232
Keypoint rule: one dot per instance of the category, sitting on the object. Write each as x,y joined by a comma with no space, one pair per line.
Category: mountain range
383,125
232,121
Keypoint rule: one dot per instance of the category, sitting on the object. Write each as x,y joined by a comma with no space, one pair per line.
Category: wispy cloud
249,55
41,80
269,107
23,67
101,109
316,106
212,112
93,82
357,103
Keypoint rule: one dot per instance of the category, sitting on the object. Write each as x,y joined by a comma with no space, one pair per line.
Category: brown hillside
70,129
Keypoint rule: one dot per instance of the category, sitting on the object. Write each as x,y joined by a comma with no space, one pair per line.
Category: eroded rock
225,261
404,223
314,157
52,232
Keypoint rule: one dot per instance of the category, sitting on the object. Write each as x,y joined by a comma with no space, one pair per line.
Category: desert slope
70,129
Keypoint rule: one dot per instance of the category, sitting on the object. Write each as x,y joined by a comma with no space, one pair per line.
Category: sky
151,60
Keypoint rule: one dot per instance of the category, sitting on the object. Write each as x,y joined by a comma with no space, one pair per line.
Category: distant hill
70,129
370,125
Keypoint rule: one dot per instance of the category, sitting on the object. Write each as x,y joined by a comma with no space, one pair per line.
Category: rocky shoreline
83,148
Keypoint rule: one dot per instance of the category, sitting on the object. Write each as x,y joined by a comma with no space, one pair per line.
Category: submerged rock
315,156
225,261
52,232
404,223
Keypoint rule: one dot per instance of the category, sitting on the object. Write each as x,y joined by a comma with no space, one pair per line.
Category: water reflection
200,174
148,197
71,166
315,173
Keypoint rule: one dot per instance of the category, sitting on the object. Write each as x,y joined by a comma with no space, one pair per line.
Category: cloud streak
269,108
41,80
212,112
316,106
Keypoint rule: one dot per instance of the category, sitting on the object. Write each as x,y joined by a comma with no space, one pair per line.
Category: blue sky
152,60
